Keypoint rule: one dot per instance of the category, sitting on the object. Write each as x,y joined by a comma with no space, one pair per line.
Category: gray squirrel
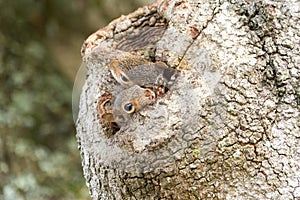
141,83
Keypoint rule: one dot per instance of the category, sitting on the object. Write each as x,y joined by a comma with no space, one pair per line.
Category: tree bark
227,129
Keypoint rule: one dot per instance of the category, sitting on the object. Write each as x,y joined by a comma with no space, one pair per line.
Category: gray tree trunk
228,128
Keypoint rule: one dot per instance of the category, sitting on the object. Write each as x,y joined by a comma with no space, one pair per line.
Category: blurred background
40,43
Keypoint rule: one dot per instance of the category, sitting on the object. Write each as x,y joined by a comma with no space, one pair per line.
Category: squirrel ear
149,93
108,117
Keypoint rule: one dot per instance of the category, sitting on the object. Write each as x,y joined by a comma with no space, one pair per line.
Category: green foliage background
39,55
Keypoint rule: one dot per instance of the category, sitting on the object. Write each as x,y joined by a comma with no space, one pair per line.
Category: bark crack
199,32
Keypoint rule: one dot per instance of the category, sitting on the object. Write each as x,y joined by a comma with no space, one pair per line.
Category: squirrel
120,66
127,102
142,82
134,70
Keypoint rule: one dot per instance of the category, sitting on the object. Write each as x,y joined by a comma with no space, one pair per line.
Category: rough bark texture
229,127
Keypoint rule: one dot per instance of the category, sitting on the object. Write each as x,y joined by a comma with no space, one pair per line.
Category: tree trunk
227,129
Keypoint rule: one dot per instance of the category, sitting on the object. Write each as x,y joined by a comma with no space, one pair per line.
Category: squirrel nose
150,94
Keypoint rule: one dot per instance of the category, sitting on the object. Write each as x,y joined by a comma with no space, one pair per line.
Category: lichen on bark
228,129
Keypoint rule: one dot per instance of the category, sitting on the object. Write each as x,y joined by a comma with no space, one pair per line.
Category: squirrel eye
124,78
129,108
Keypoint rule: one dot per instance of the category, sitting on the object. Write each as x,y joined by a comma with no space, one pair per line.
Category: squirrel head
119,73
129,101
120,66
